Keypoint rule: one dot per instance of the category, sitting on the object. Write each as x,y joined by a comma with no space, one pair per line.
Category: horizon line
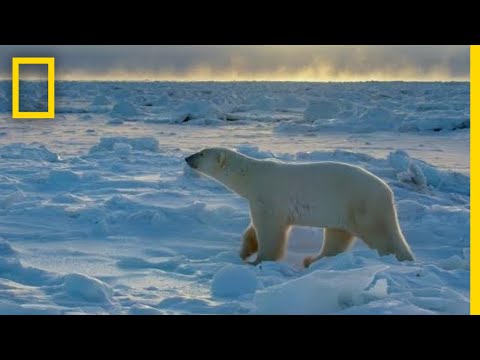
246,81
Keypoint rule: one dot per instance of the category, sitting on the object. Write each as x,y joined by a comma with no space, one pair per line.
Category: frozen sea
100,215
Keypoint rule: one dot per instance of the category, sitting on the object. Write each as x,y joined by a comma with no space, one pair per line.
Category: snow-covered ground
99,213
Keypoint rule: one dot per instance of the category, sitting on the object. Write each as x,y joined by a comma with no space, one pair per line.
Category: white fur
345,200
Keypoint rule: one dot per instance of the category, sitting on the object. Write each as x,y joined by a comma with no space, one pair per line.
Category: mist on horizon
247,62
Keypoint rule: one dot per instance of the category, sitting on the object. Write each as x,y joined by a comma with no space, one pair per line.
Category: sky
248,62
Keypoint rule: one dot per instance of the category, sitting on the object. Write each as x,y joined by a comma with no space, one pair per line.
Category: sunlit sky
248,62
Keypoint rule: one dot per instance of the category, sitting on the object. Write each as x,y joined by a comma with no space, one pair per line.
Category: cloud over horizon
249,62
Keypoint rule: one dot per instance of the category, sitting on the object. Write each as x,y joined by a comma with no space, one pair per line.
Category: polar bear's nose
189,160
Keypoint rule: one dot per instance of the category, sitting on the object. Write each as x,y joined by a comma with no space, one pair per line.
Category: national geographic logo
16,113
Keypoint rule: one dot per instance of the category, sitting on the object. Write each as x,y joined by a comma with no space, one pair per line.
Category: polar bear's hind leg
386,237
335,241
387,243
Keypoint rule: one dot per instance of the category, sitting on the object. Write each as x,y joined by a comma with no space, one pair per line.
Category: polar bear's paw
308,261
245,253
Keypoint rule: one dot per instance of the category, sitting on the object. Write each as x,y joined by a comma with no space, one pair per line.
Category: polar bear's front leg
335,241
271,233
249,243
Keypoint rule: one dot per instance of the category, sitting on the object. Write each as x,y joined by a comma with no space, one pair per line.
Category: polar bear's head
226,166
209,161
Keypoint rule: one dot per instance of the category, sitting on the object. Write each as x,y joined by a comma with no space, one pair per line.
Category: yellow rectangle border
16,62
474,188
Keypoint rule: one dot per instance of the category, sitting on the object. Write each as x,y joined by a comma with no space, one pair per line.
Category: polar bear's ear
221,159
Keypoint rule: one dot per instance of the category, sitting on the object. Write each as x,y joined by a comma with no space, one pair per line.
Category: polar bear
346,200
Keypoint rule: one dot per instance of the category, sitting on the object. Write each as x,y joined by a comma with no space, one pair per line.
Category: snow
194,110
119,144
31,152
78,288
99,213
321,110
423,174
234,281
123,109
320,292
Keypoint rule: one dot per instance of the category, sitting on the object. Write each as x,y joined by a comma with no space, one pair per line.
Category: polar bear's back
320,193
330,175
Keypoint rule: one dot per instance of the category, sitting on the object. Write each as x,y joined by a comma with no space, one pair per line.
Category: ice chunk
28,152
454,262
139,144
60,178
6,249
429,175
320,292
122,149
320,109
414,175
124,108
197,110
234,281
78,288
